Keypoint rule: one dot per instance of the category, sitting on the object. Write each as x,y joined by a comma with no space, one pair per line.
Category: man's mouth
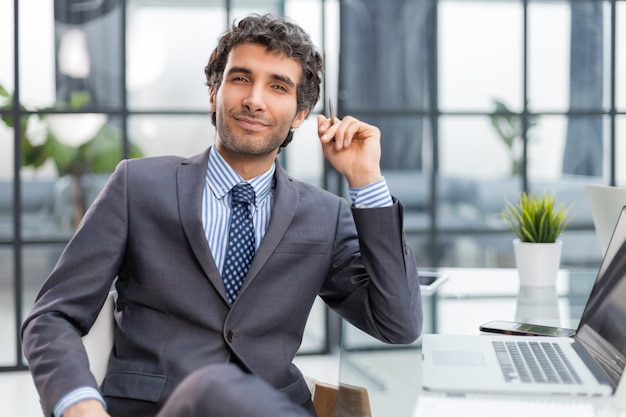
250,123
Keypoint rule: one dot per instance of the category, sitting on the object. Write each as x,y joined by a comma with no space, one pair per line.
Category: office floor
18,397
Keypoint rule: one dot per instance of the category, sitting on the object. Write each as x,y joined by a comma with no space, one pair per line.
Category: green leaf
536,219
105,150
79,99
34,156
101,154
3,92
7,120
63,156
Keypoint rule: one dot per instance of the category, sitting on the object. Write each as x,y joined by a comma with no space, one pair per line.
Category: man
161,227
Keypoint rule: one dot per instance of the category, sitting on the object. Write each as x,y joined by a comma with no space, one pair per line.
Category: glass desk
466,299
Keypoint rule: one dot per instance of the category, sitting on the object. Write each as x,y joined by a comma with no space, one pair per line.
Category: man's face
256,103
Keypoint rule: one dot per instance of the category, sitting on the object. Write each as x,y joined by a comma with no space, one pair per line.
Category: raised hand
352,147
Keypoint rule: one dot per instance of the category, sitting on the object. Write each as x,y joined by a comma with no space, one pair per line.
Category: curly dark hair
278,34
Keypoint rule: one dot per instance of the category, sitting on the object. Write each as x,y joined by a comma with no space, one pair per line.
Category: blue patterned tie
240,240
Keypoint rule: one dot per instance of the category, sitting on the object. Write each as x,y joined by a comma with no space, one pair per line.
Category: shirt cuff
374,195
79,394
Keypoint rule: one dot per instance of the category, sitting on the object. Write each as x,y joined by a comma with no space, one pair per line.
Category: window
476,100
494,97
95,85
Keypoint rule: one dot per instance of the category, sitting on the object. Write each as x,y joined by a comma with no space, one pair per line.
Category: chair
326,397
99,341
345,400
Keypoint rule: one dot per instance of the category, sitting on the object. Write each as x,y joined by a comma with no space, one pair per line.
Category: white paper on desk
439,406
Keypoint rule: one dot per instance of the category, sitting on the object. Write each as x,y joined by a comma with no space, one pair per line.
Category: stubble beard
249,145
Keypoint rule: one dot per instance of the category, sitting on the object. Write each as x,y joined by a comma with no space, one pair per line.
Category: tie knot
242,193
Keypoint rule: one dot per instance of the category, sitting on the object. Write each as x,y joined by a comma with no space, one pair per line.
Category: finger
326,130
323,123
345,132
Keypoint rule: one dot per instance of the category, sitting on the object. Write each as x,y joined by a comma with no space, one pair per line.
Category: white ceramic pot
537,263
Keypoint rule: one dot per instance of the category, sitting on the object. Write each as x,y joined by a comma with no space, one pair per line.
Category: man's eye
279,87
239,79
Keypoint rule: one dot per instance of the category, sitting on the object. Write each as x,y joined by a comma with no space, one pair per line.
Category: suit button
229,336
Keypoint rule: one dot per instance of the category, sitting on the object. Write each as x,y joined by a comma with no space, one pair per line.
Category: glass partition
620,57
476,100
8,320
76,49
7,41
167,48
548,57
480,62
620,149
8,333
171,134
6,180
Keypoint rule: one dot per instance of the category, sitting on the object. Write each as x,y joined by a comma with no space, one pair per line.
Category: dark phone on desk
524,329
428,277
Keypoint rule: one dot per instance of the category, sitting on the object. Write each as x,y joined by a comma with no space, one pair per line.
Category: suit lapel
190,182
285,203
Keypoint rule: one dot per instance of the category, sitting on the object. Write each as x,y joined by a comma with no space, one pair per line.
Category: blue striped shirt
79,394
374,195
220,178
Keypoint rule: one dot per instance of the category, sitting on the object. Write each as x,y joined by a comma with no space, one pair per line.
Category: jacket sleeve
72,296
373,281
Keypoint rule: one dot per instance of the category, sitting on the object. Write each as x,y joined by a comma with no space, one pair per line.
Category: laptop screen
606,203
602,328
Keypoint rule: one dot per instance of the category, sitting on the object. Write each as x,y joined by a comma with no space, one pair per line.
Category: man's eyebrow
284,79
277,77
243,70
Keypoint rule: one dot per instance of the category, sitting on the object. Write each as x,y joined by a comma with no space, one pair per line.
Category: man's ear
300,116
212,99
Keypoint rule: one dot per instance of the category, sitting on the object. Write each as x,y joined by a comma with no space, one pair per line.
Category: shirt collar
221,178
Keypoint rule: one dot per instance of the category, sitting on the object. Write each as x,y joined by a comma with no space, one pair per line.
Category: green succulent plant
537,219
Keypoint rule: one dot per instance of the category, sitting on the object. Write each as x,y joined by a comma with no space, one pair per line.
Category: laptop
606,202
590,363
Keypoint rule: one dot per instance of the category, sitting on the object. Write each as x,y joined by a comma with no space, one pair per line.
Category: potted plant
537,222
78,144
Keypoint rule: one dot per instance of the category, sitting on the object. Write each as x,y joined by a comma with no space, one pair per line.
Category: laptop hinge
603,373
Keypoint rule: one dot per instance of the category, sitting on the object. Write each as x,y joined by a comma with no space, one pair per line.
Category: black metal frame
432,114
18,242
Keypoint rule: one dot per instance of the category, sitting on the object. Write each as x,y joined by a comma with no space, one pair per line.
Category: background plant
509,128
537,219
97,155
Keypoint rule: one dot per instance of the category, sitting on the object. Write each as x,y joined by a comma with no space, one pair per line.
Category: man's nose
255,99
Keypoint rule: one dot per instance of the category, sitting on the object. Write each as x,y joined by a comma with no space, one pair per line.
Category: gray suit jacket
172,316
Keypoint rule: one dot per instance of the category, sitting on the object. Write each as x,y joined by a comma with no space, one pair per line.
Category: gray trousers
227,391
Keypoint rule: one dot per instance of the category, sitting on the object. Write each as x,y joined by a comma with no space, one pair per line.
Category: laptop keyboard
534,362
